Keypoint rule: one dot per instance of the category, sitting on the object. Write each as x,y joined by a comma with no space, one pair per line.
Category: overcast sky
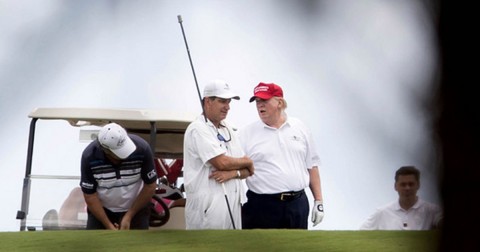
358,73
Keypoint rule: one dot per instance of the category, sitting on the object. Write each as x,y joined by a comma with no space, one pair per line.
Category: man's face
407,186
268,110
218,109
112,157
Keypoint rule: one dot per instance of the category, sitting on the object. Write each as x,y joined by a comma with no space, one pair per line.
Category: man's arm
96,208
316,188
140,202
222,176
226,163
315,184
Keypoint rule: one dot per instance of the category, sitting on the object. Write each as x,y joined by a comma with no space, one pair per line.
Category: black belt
287,196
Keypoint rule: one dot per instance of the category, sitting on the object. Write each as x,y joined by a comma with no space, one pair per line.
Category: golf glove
317,212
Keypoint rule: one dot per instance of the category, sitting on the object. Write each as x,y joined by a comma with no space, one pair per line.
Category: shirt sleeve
371,222
438,216
87,181
312,158
205,144
149,174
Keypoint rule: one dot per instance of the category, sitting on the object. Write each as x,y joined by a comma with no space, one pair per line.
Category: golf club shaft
228,205
180,21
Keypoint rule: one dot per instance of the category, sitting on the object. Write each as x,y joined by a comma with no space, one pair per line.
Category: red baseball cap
266,91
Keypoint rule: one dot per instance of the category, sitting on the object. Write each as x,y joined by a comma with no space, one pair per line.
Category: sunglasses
222,138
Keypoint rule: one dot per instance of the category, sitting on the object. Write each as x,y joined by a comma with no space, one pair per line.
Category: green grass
219,240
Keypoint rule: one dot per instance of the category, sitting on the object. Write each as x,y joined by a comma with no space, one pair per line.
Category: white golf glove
317,212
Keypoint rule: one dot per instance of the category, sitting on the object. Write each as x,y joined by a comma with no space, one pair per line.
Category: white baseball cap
219,88
114,138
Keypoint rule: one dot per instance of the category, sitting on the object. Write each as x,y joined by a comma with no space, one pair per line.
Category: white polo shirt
206,206
281,157
421,216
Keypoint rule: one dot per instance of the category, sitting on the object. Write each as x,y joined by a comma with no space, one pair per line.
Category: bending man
118,180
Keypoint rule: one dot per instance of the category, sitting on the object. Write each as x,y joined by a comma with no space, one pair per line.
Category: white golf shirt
281,157
206,206
421,216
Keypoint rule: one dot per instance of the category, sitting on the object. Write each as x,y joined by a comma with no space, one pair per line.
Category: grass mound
219,240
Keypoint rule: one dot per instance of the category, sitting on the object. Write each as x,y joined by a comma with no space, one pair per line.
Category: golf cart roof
168,127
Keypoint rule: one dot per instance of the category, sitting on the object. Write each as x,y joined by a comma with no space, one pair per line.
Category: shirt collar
415,206
209,123
287,122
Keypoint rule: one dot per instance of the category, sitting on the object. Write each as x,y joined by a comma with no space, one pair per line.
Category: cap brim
229,96
261,96
128,148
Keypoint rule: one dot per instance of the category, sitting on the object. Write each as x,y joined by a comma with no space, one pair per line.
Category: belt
287,196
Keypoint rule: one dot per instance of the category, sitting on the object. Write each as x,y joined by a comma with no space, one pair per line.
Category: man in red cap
285,161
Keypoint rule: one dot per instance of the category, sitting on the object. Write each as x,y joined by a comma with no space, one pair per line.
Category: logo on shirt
151,174
296,138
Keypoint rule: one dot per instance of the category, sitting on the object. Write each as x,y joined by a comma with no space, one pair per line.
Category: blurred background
358,73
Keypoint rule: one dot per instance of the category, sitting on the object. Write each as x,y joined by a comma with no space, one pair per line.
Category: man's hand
223,176
125,223
317,212
250,167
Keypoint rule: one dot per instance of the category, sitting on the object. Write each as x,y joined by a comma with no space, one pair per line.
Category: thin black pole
180,21
228,205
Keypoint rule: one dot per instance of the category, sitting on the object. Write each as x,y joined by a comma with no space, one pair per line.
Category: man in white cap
118,180
214,159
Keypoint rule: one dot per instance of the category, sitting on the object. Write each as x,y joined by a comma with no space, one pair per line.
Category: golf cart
163,130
